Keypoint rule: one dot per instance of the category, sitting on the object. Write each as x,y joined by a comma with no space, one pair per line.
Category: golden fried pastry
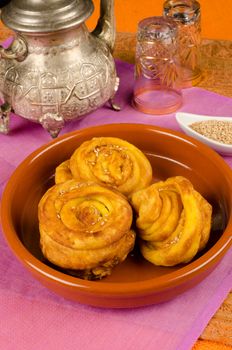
63,172
174,221
113,162
86,227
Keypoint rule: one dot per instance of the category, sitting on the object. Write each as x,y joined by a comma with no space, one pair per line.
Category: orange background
216,16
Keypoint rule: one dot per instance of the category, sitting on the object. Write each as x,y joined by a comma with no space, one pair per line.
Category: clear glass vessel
157,71
187,15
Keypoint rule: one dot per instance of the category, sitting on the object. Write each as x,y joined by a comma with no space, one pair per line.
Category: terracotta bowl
135,282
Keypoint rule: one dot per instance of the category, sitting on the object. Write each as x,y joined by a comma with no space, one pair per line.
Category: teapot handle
16,51
106,29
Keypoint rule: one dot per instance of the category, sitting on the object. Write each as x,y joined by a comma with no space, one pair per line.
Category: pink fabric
32,317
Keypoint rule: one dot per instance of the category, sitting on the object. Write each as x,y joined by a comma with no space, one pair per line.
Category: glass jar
157,79
187,15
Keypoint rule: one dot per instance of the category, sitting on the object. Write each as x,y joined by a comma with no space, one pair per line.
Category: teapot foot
53,123
5,110
113,105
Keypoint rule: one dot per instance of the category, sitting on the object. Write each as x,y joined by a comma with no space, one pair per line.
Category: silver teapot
55,70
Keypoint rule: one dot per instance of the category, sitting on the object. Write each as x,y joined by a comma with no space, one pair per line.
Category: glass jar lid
39,16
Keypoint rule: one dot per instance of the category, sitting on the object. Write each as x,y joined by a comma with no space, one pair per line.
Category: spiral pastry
174,221
85,227
63,172
113,162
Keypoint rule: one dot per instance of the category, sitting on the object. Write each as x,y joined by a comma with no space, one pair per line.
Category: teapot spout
106,28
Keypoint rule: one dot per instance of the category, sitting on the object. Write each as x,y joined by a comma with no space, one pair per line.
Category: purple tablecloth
34,318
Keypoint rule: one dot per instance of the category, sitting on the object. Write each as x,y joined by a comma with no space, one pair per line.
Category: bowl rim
187,272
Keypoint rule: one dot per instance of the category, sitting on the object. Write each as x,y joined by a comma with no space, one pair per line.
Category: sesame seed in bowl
215,131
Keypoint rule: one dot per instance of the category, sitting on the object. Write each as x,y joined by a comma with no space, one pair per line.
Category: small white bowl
186,119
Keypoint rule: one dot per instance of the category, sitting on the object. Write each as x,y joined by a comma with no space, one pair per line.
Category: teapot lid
41,16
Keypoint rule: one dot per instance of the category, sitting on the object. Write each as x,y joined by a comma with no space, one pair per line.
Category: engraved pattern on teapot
55,49
34,93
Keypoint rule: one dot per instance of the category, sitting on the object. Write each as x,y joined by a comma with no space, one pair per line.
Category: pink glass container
187,16
157,70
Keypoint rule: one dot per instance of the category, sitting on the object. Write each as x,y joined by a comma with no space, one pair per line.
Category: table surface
217,67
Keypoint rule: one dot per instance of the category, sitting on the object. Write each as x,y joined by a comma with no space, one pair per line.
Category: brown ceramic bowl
135,282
